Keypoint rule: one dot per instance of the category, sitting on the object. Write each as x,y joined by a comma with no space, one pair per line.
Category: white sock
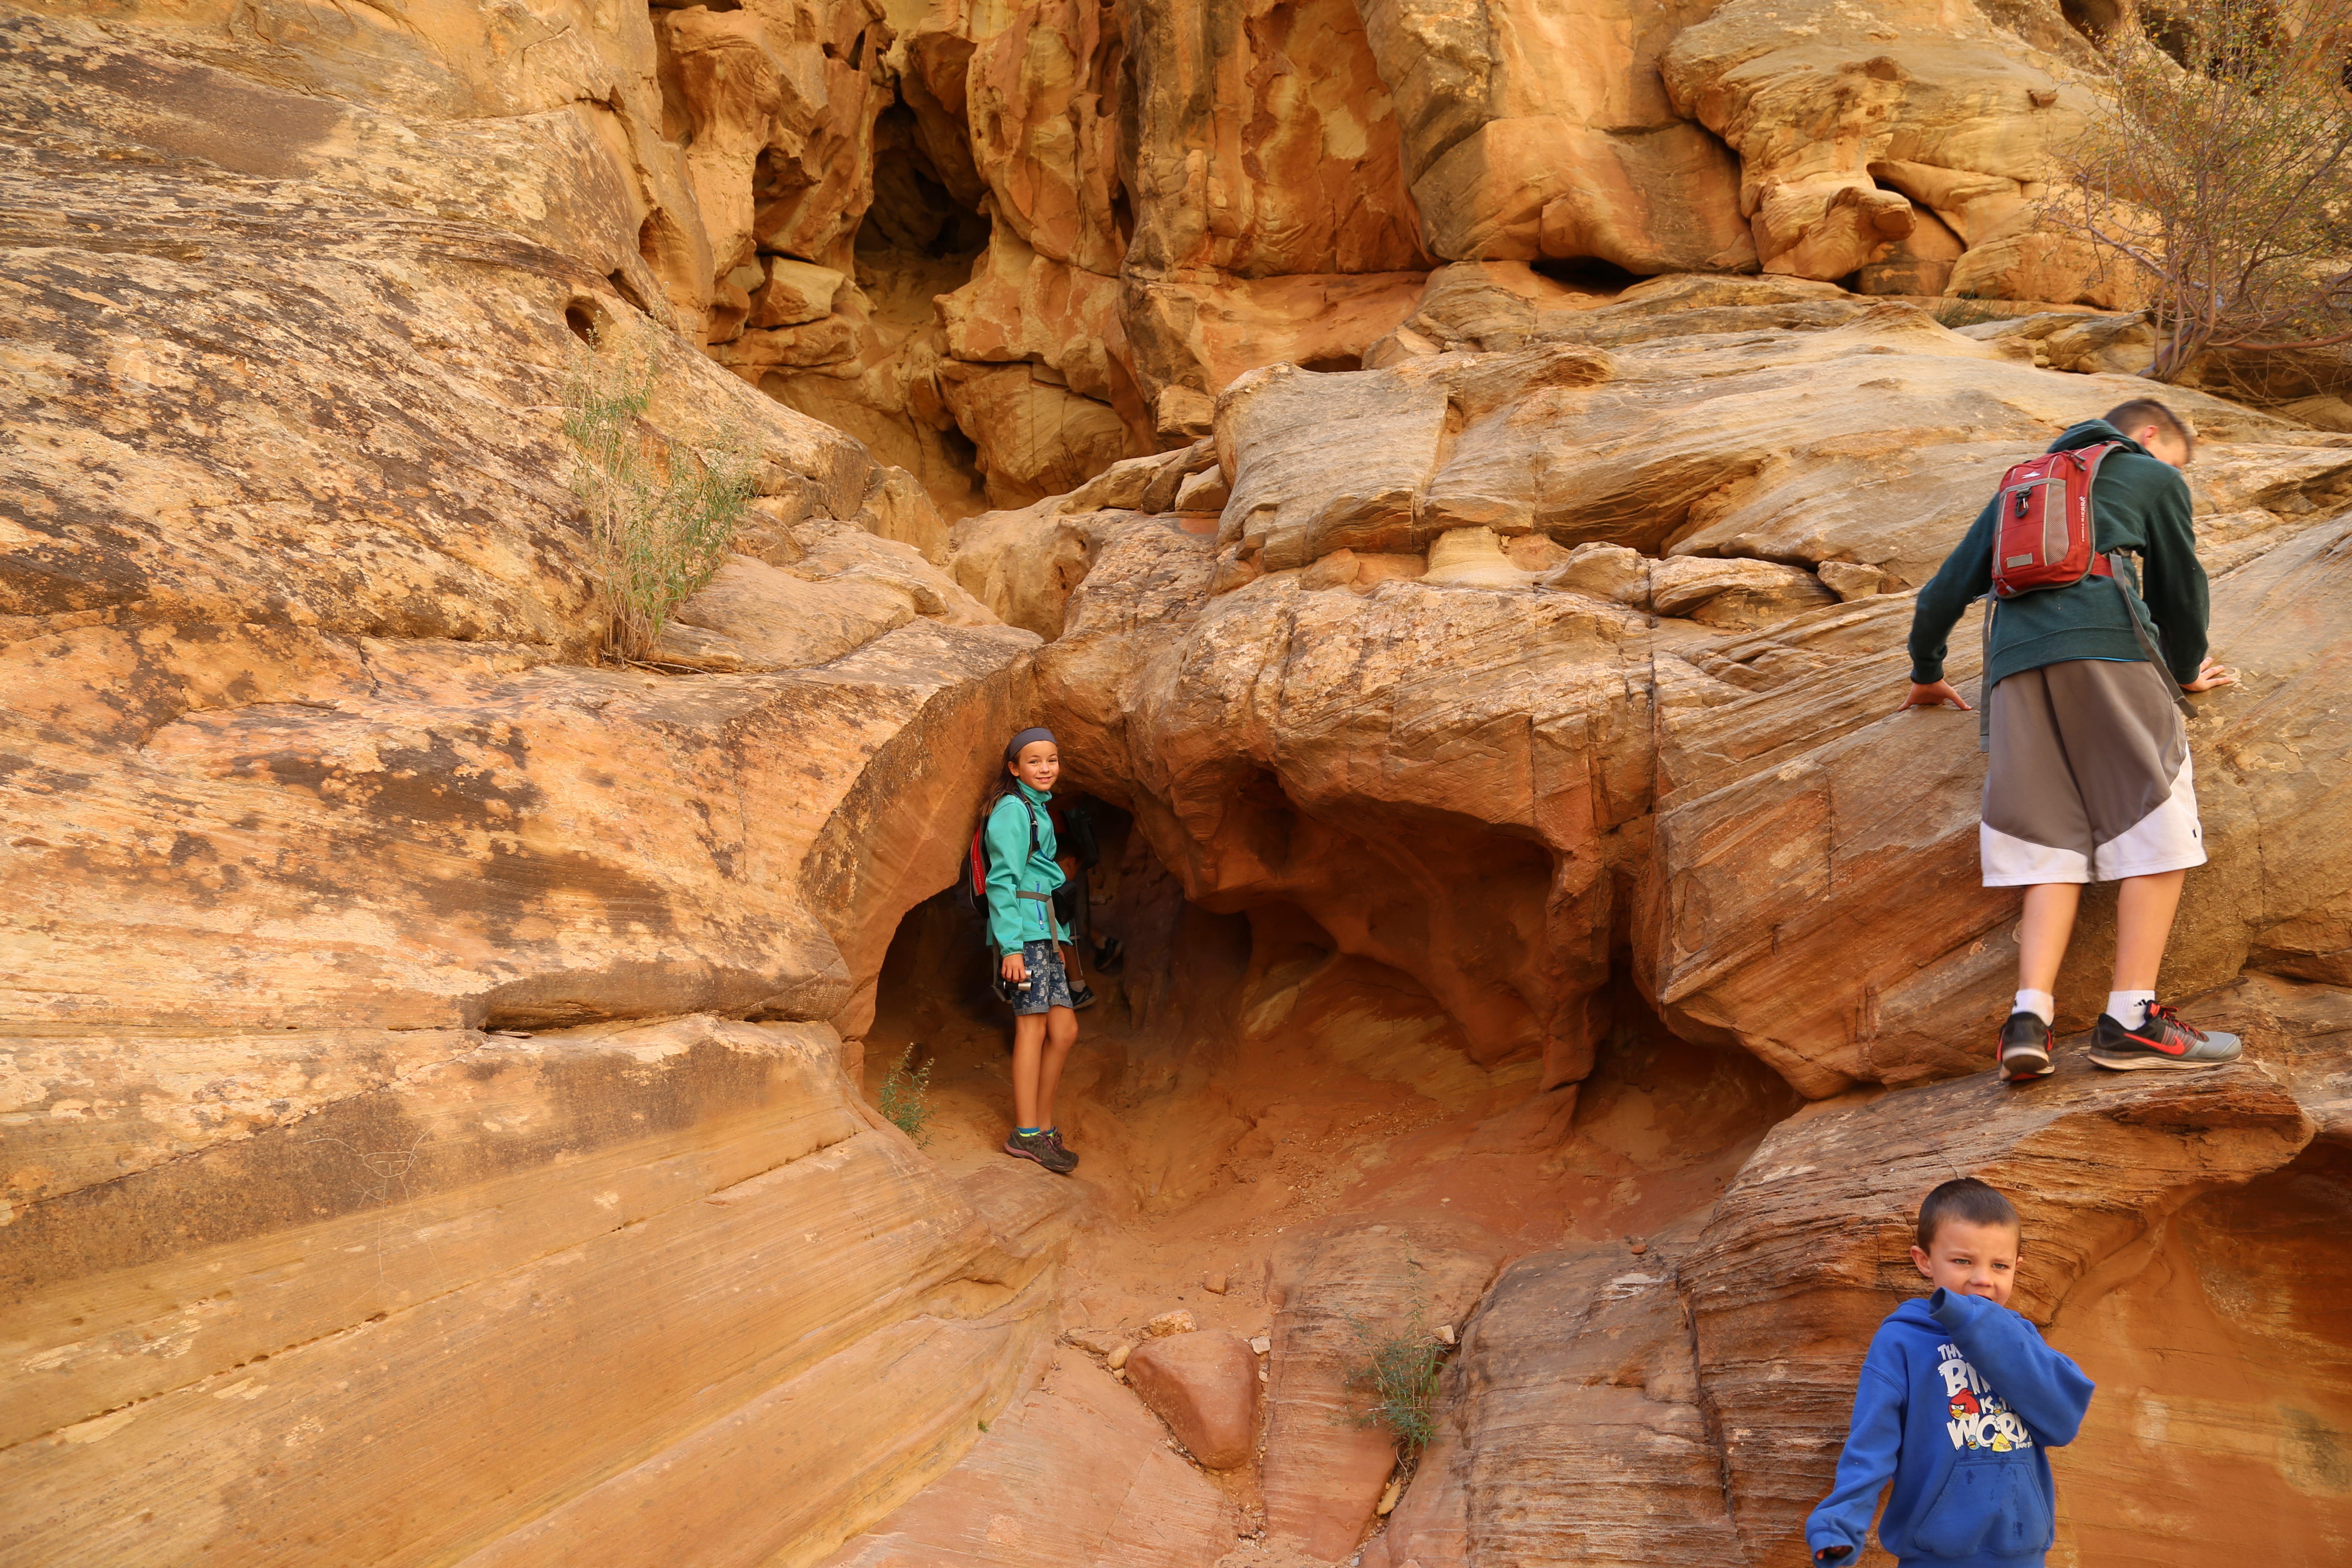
2040,1003
2129,1008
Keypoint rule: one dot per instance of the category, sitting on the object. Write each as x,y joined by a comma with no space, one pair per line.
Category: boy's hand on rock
1936,694
1014,969
2209,674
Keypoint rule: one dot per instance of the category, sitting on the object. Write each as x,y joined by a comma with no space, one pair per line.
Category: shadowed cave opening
1240,1080
1589,272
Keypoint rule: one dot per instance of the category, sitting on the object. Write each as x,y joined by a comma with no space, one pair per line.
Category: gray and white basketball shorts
2089,780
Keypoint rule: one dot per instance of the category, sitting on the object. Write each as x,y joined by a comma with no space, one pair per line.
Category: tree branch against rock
2222,171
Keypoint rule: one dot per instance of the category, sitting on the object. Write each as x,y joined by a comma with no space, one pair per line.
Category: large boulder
1852,128
1204,1386
1790,950
1545,130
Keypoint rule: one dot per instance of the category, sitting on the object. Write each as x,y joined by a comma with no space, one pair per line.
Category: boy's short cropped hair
1964,1198
2142,412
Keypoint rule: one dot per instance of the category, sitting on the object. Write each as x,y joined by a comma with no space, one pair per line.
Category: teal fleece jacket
2137,504
1013,870
1959,1404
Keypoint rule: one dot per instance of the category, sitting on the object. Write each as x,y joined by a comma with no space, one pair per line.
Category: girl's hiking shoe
2164,1041
1044,1148
1063,1150
2025,1048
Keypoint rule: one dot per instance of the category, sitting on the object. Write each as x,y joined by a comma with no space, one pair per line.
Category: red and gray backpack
972,887
2044,537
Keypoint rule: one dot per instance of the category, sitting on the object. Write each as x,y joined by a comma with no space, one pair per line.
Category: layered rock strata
387,1115
1121,209
1561,772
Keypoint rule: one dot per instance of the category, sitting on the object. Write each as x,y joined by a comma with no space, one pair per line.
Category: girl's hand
1935,694
1014,969
2210,675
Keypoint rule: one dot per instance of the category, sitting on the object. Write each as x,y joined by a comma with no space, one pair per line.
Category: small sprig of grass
906,1097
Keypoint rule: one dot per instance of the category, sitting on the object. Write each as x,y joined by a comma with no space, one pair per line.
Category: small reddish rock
1214,1284
1205,1386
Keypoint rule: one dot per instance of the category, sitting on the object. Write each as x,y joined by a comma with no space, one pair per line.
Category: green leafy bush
661,513
1398,1378
906,1097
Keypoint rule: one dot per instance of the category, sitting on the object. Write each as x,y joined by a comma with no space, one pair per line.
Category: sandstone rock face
1204,1386
1118,1495
527,1260
1610,770
395,1169
1849,125
429,1097
1064,229
1540,130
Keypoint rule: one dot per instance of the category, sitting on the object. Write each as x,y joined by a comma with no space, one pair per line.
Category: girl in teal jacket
1028,936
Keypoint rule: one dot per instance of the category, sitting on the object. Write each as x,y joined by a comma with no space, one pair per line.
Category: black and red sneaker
2025,1048
2163,1041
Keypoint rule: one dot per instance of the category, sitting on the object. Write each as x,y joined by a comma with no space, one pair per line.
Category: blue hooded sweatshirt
1958,1399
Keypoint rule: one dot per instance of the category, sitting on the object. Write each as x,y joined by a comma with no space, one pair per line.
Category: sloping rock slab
1073,1473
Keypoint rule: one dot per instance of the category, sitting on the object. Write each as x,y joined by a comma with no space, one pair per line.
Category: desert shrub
1397,1380
661,512
2223,170
1963,311
907,1097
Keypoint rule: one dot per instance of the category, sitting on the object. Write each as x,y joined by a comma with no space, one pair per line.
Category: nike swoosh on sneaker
2158,1045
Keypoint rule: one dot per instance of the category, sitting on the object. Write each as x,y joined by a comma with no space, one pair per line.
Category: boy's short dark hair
2141,412
1964,1198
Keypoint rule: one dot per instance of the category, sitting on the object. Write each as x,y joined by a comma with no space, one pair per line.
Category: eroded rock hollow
1454,477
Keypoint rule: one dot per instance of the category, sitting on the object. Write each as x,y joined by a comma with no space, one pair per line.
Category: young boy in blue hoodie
1957,1402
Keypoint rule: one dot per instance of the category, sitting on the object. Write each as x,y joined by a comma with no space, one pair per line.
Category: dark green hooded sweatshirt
2137,504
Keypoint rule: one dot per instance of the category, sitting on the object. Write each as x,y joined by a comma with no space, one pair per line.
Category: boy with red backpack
2085,663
